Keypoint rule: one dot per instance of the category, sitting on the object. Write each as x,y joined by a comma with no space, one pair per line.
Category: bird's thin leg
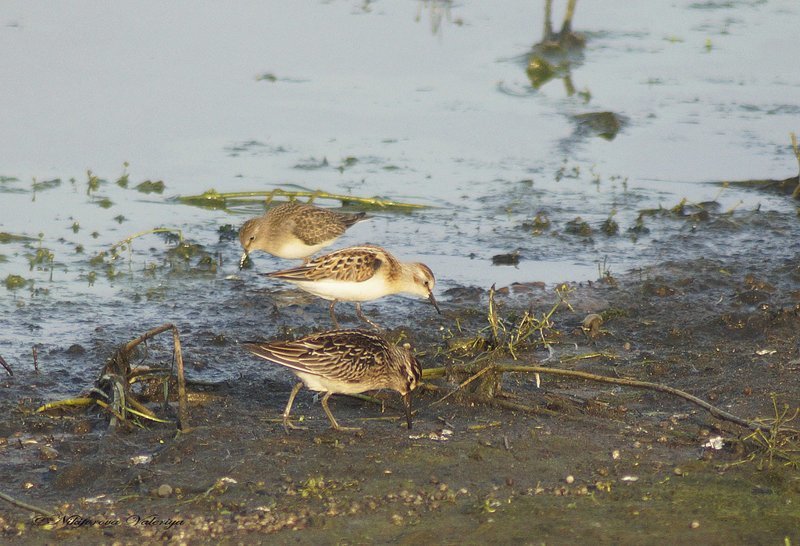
332,419
364,317
333,315
287,424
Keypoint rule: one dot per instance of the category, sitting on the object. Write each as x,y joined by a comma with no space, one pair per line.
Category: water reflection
438,12
553,56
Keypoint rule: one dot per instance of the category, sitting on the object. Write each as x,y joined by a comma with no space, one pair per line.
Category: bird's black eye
252,237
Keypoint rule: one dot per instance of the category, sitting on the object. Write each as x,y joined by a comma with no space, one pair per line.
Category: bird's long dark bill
433,301
407,402
243,259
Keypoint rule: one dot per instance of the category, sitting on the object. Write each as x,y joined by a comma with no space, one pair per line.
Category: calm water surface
424,102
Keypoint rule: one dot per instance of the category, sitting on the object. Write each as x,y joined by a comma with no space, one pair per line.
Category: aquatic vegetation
578,226
93,183
346,163
15,282
150,186
603,124
540,71
124,178
312,164
538,225
6,238
512,258
104,202
506,335
45,184
610,226
777,440
216,200
267,77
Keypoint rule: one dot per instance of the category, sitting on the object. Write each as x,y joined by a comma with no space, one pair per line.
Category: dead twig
112,390
25,505
213,198
183,404
508,368
4,364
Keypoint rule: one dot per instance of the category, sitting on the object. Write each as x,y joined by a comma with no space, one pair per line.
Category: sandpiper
360,273
295,230
346,362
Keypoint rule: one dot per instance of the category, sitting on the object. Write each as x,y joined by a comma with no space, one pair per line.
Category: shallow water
423,102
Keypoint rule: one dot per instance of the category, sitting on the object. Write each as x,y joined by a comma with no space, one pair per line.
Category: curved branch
715,411
25,505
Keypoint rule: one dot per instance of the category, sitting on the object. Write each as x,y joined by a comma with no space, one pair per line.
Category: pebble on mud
47,453
591,324
695,524
164,490
570,479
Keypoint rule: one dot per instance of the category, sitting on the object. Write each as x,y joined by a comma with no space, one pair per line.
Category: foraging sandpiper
295,230
345,362
357,274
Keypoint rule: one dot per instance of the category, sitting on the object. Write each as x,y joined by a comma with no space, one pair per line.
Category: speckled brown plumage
360,273
344,361
352,264
295,230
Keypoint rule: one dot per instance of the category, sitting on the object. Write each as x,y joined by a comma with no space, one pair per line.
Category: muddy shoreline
591,462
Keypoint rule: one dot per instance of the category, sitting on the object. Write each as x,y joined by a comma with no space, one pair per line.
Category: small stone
570,479
615,454
47,453
695,524
76,350
164,490
678,471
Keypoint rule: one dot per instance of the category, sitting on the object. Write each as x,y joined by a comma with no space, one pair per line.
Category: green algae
150,186
15,282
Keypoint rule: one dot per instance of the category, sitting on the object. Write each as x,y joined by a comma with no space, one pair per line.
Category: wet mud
576,461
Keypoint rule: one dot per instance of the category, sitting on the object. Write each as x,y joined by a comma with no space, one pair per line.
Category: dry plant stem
4,364
715,411
566,27
213,195
120,418
183,417
127,240
68,403
25,505
462,385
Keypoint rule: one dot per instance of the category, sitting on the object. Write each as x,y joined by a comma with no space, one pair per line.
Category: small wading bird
360,273
295,230
343,362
